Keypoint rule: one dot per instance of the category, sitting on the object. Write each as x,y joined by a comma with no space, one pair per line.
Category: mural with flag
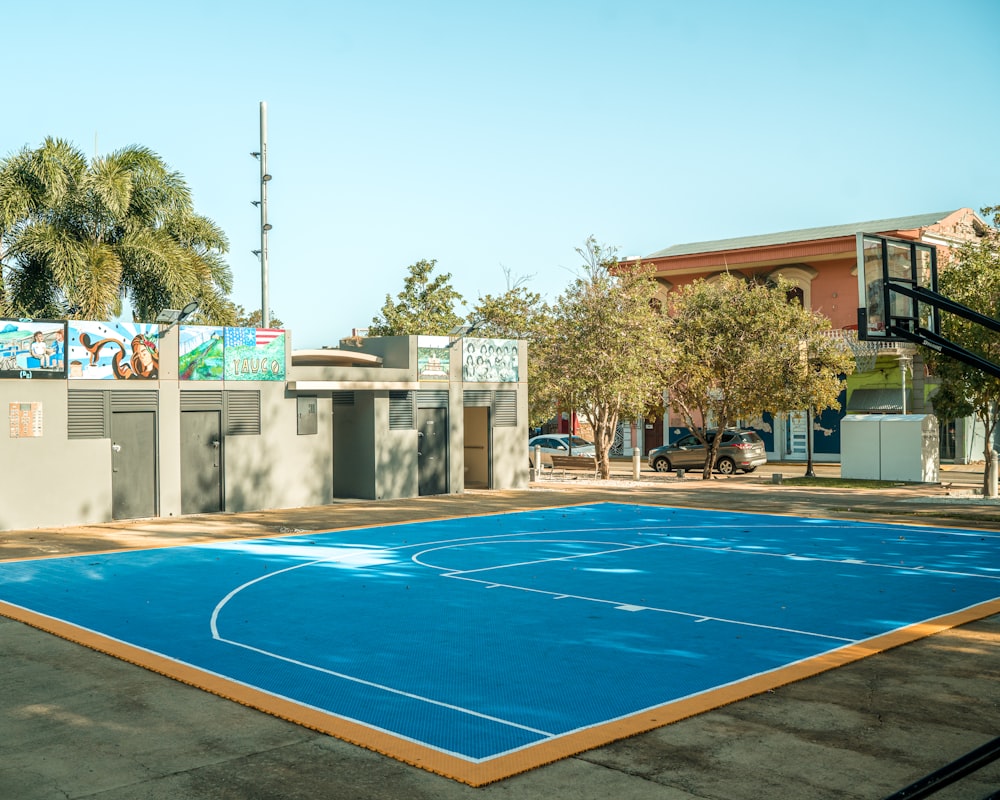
254,354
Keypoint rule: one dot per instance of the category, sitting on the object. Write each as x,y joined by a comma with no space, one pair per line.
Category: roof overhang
771,256
880,401
330,357
350,386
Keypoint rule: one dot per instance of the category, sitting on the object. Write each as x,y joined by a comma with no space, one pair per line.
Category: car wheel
662,465
726,465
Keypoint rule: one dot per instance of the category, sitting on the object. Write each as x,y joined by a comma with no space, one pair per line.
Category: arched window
801,277
661,298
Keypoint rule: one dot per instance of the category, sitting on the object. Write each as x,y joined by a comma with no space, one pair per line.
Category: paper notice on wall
25,420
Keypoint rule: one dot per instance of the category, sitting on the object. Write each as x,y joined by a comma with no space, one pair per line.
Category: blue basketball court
481,647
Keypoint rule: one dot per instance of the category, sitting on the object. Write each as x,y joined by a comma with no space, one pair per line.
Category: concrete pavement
78,724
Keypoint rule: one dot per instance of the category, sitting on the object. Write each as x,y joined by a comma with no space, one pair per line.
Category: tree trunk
989,418
604,437
711,455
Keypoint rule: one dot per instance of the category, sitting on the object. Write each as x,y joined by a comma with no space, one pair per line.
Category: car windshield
578,442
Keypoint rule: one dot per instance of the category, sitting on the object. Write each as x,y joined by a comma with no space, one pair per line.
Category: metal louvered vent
201,401
343,398
401,413
505,409
141,400
432,398
242,413
87,415
477,397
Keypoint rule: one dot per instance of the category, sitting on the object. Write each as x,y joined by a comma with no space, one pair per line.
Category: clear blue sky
491,135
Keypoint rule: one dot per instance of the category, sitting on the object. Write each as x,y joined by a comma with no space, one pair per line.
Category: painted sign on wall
32,349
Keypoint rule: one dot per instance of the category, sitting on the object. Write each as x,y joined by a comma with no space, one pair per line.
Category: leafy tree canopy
518,313
739,348
425,306
253,319
78,238
603,344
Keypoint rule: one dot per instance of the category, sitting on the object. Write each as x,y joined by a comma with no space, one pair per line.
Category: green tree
518,313
601,352
253,319
425,306
740,348
971,277
78,238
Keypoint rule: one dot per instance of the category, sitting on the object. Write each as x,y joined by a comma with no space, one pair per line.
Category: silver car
739,450
558,444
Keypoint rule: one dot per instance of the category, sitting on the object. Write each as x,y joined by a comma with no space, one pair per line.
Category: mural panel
201,353
433,358
254,354
489,360
113,350
32,349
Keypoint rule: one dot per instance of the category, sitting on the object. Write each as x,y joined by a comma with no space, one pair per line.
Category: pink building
821,263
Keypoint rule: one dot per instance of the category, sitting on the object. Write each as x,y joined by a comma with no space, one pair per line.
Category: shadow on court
77,723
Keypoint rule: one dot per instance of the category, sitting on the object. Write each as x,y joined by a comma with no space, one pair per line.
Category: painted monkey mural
144,363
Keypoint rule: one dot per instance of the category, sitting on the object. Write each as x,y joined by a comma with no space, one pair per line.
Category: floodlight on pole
265,177
174,316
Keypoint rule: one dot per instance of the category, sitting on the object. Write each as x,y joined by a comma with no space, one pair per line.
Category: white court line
462,575
822,560
384,688
619,548
521,535
673,612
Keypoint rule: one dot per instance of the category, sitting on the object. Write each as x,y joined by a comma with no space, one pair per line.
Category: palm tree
77,239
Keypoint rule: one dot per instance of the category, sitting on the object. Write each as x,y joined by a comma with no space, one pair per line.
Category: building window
800,276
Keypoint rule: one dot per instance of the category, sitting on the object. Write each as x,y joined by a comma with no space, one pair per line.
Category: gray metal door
133,464
432,455
201,462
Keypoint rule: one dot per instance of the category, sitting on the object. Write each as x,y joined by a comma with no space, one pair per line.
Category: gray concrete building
232,419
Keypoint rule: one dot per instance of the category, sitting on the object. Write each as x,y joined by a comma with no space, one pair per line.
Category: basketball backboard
884,263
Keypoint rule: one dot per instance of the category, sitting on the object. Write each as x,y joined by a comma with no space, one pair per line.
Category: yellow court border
481,773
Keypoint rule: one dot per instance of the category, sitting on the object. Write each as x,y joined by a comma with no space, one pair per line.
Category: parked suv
739,450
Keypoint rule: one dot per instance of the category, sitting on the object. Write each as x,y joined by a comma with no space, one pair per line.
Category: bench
572,464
